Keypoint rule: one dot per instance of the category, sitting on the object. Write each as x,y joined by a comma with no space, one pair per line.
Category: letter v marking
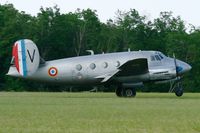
31,57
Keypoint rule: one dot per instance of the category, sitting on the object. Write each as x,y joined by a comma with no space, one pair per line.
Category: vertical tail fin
26,57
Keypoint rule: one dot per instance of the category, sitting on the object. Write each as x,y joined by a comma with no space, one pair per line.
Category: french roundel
53,71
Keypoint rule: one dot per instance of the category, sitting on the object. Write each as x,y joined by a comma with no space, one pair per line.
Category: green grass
99,113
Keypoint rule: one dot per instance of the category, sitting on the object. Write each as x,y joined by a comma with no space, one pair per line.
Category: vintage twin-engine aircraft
126,70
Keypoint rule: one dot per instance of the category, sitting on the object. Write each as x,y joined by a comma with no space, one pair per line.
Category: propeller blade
175,64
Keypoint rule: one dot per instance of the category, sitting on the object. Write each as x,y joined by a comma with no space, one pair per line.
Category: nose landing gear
177,87
179,92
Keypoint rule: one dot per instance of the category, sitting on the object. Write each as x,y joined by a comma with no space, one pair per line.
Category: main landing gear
125,92
177,87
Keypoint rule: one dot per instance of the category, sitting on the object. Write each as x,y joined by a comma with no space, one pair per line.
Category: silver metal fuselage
83,70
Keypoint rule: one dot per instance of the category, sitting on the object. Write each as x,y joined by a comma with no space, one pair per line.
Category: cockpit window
153,58
157,57
161,57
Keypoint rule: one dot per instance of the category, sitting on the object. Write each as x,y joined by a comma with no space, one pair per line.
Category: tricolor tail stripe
15,55
24,58
20,58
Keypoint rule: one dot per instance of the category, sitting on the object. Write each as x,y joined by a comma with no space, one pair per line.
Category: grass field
98,113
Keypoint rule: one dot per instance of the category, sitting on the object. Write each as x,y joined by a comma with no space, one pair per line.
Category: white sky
188,9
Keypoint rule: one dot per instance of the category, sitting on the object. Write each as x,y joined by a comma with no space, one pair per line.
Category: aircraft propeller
175,64
179,89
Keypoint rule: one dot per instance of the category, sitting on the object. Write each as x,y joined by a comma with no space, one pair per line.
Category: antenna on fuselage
90,51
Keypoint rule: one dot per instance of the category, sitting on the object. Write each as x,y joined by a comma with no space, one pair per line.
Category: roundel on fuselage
53,71
26,56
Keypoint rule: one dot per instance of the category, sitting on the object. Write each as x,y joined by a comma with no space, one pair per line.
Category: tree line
61,35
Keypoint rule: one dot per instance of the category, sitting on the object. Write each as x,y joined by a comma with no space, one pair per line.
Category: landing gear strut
125,92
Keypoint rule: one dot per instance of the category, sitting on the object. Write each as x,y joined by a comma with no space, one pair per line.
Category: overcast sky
189,10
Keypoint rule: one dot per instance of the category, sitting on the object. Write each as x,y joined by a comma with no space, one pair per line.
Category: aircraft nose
188,67
184,67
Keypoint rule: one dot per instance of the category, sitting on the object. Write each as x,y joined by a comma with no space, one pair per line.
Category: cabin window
78,67
92,66
105,65
117,64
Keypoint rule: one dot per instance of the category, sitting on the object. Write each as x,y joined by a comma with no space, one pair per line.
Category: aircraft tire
119,92
130,92
179,92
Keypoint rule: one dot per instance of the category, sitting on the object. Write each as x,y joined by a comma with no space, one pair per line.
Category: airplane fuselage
89,69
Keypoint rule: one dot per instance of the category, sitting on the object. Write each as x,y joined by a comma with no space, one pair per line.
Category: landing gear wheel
118,91
129,92
122,92
179,92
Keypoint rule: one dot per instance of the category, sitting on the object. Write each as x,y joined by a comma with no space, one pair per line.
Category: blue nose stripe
179,69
